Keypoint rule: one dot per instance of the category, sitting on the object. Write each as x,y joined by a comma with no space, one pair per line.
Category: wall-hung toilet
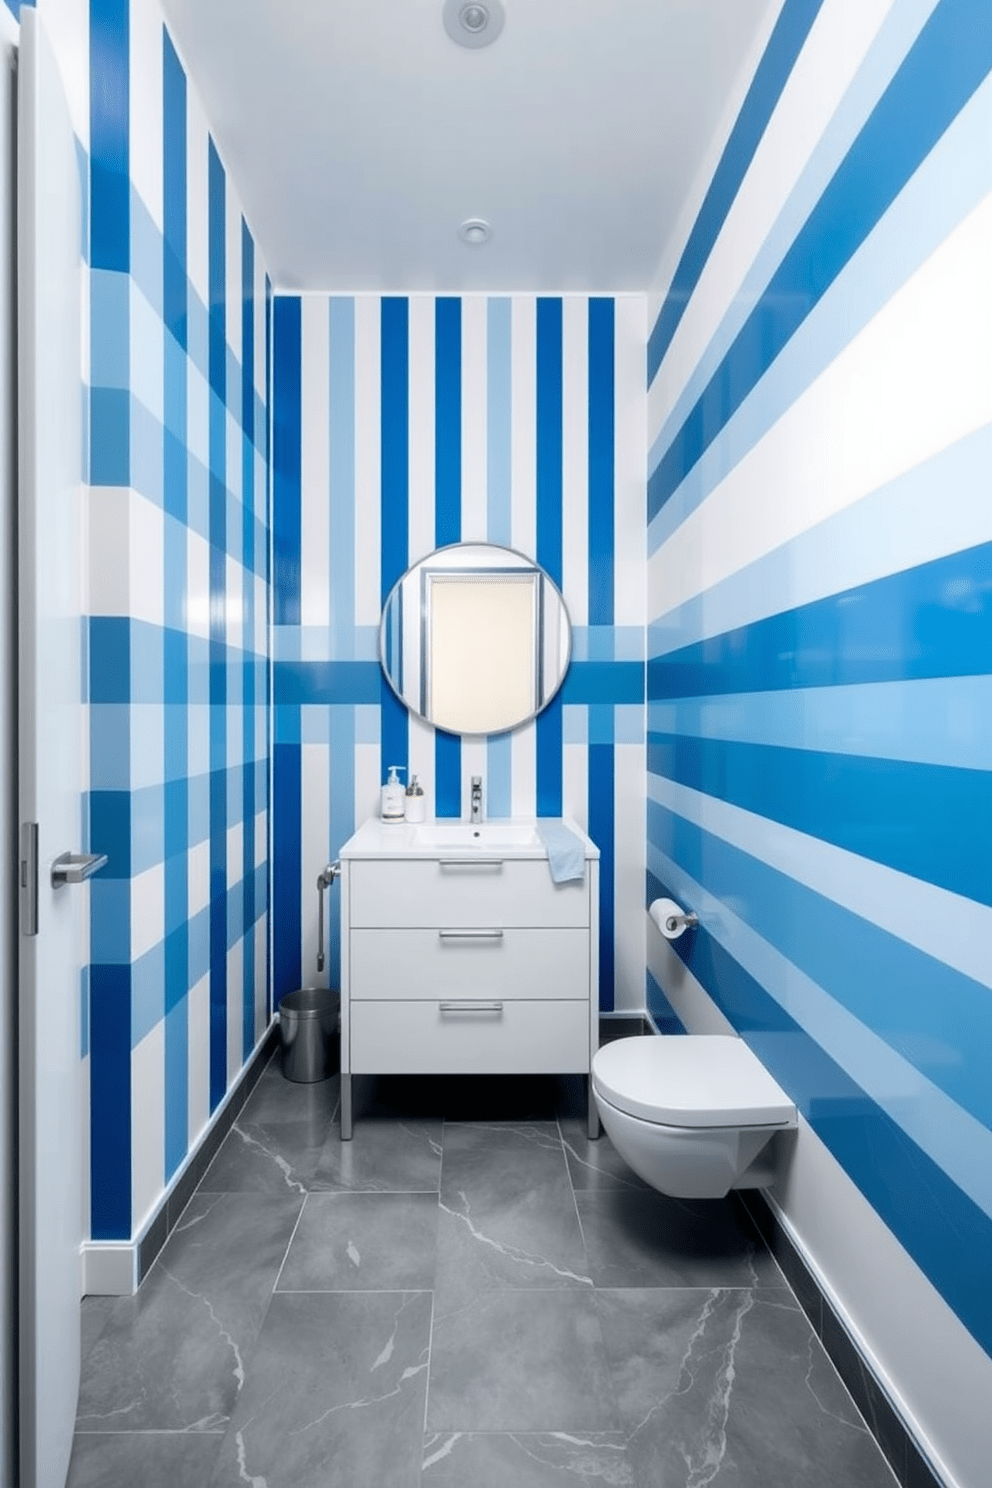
690,1114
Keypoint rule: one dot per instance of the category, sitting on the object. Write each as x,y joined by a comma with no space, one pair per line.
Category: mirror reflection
475,638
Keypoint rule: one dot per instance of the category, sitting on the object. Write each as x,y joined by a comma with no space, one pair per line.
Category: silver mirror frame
430,568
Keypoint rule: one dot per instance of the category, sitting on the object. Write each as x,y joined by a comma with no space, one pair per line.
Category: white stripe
144,102
421,446
947,926
914,381
147,1124
232,281
421,758
475,447
523,423
575,783
575,456
197,196
315,602
235,1008
368,494
955,1140
629,855
368,782
523,771
473,763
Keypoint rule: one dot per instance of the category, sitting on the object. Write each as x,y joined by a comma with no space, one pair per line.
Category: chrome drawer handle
470,862
470,1007
470,934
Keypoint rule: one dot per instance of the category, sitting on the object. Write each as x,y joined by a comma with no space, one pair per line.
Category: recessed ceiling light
475,230
473,24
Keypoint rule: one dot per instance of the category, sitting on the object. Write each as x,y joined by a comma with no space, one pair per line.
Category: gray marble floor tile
275,1157
151,1459
521,1361
173,1357
507,1215
645,1239
594,1165
386,1155
731,1386
275,1098
552,1459
94,1315
363,1242
335,1394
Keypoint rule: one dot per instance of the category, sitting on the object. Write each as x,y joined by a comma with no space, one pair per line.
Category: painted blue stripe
447,420
549,437
947,187
950,59
110,1102
948,1236
604,682
601,460
499,404
922,820
447,774
301,683
110,106
287,848
602,830
917,1003
548,727
394,501
499,775
931,621
342,477
773,71
937,721
286,375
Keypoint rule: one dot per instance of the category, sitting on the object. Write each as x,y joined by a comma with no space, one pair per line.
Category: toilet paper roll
670,918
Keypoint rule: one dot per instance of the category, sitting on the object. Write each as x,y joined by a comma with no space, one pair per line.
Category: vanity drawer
424,1038
459,891
477,961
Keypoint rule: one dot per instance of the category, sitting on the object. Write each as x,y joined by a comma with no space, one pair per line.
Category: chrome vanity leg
347,1124
594,1127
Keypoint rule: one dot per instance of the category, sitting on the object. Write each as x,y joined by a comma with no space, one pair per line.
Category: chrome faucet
476,798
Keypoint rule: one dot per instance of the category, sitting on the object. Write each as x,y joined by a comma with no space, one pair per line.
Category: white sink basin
489,836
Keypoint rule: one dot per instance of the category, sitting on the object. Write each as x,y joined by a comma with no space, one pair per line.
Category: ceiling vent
473,24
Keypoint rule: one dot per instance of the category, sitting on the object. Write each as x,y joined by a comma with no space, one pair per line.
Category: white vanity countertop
498,837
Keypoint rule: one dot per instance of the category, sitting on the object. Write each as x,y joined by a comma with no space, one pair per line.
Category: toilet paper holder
672,920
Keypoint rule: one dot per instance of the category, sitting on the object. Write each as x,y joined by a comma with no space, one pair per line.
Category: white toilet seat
690,1081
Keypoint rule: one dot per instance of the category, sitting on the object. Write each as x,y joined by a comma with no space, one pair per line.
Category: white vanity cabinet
464,959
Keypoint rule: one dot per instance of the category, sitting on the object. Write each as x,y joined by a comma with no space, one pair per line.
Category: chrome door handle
72,868
470,863
470,1007
470,934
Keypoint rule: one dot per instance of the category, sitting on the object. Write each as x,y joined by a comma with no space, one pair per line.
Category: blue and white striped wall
820,644
177,616
403,423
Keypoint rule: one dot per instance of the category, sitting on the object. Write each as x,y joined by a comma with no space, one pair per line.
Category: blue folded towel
566,854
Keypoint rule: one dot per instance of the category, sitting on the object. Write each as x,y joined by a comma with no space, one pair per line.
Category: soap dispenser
393,798
415,804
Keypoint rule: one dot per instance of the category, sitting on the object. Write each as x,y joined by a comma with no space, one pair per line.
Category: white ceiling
359,136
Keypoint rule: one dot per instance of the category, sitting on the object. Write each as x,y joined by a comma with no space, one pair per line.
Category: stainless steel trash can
308,1021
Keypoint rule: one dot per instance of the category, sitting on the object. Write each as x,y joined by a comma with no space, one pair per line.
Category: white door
49,739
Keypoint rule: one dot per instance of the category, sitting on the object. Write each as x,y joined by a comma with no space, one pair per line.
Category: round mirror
475,638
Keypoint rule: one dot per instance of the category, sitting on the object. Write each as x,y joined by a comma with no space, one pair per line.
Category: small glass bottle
415,803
